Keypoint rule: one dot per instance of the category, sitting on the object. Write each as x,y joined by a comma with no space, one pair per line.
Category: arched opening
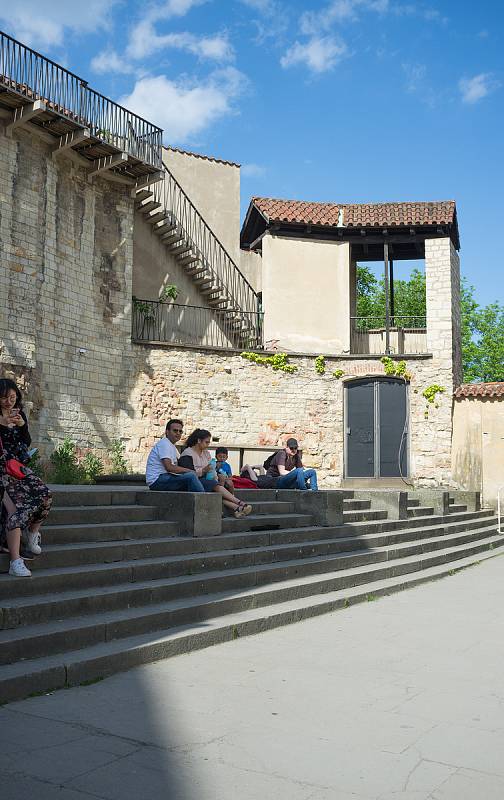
376,428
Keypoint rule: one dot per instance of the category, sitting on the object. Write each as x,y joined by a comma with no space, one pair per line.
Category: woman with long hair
26,501
196,457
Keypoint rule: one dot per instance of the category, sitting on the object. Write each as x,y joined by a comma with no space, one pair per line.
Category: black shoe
26,555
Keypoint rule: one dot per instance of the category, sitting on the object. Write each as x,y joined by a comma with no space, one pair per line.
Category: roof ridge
200,155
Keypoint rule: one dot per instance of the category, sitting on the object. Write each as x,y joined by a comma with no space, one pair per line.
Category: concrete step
95,495
356,505
107,531
95,514
255,522
35,607
363,516
40,640
456,508
294,600
420,511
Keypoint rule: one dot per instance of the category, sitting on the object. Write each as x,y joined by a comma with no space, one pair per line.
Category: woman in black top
26,501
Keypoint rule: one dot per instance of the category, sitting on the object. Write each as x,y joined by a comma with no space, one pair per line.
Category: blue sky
344,100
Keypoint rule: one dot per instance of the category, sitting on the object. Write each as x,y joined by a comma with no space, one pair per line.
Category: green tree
482,338
482,327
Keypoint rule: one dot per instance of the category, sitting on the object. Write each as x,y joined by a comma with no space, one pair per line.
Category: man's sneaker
33,543
18,569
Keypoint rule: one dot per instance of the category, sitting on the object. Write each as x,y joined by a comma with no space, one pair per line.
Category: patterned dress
30,496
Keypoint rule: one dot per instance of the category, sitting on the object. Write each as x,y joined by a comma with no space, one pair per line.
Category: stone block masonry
247,404
66,265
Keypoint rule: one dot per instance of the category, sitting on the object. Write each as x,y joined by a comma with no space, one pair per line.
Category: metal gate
376,435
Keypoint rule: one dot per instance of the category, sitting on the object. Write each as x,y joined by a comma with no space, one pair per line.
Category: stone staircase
196,249
117,586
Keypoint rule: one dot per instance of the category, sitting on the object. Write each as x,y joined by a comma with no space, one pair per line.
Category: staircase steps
116,587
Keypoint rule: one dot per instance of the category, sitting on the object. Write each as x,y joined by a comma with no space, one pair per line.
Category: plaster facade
306,294
214,188
478,446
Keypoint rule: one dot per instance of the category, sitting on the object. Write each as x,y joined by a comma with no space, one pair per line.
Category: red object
243,483
15,468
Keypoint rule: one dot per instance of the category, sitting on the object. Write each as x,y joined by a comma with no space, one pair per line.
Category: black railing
238,292
413,323
155,321
35,77
402,335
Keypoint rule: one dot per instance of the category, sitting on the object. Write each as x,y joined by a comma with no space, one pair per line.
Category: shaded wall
478,445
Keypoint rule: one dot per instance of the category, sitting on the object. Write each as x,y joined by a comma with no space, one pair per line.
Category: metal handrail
397,321
499,490
171,196
158,321
35,77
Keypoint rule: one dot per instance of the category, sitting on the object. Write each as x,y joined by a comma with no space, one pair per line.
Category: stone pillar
442,275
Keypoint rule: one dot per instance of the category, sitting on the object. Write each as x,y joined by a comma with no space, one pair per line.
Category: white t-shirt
155,467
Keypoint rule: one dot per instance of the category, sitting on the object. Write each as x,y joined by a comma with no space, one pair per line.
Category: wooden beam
69,140
104,164
25,114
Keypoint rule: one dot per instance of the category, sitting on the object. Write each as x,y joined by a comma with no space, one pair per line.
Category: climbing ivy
320,365
338,373
396,369
431,391
278,362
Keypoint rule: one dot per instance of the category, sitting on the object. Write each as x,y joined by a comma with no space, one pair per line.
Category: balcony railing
173,323
30,75
403,334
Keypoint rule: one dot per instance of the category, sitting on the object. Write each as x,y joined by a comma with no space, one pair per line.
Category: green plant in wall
144,308
320,365
278,362
118,461
338,373
169,292
430,395
396,369
92,467
64,463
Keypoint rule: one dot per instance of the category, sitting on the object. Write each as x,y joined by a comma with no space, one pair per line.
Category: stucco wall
478,445
214,188
306,294
251,267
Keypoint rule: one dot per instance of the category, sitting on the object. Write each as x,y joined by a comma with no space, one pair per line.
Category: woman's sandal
243,510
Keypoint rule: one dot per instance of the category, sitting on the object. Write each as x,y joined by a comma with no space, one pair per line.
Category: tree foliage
482,327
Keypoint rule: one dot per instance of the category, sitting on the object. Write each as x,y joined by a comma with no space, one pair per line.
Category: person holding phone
26,501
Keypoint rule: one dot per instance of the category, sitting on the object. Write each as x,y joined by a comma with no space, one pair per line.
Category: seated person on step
163,473
196,456
285,470
248,475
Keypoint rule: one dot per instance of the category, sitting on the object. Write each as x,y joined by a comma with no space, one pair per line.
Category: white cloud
252,170
176,8
337,12
475,89
43,23
319,54
183,108
144,41
110,61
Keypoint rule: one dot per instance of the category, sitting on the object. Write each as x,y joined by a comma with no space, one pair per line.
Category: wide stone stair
117,586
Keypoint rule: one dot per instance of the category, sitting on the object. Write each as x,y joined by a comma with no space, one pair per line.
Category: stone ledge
197,514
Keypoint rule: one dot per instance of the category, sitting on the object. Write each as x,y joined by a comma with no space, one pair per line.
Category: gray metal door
376,431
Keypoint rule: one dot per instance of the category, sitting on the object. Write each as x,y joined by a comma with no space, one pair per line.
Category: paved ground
397,699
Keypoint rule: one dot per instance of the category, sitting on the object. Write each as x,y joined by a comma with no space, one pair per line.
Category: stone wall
65,290
246,404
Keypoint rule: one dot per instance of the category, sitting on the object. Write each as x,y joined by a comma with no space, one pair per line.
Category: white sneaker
33,543
19,569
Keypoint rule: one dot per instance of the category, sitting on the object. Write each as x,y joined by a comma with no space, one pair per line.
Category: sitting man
287,470
162,473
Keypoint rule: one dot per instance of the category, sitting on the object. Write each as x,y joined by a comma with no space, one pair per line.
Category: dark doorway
376,436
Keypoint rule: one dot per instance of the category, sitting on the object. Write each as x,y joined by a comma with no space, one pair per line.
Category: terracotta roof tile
494,389
356,215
